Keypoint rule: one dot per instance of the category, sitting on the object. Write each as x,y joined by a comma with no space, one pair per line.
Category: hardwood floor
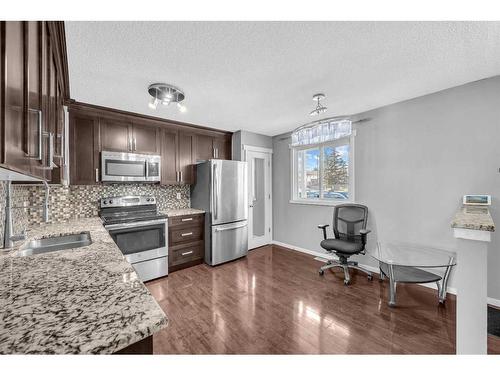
274,302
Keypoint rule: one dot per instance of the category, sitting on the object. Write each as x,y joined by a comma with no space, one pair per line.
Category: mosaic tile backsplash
77,201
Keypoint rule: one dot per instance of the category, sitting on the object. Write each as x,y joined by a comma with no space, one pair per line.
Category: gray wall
414,161
242,137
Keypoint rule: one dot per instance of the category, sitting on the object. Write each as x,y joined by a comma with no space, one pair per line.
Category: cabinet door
34,114
204,147
146,139
15,141
185,156
169,160
222,146
46,50
115,136
84,149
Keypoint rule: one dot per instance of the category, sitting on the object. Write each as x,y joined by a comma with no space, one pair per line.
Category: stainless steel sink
47,245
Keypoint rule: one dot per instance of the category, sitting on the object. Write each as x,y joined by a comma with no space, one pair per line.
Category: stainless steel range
139,231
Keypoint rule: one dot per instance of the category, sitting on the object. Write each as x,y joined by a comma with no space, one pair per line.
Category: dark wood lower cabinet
145,346
186,241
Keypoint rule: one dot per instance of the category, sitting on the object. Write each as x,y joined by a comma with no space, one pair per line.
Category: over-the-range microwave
128,167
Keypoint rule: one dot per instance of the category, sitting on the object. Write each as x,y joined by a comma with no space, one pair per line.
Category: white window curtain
321,131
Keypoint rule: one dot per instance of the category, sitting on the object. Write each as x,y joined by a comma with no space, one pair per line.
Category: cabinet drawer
186,253
186,220
188,234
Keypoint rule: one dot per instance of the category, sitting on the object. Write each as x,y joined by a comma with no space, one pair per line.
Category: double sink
48,245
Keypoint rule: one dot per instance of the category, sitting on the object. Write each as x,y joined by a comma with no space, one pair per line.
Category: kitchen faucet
8,236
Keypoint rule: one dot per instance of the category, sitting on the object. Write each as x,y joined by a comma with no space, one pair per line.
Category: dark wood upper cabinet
185,156
115,136
180,146
33,88
84,149
222,147
145,139
204,149
15,137
34,114
212,147
169,157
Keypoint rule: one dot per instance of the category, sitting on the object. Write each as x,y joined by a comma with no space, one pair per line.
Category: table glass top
402,254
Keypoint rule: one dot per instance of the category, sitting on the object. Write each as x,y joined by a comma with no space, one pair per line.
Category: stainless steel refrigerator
221,191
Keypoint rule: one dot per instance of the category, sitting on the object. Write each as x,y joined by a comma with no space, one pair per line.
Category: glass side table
405,263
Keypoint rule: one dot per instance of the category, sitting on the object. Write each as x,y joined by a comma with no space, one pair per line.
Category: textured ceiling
260,76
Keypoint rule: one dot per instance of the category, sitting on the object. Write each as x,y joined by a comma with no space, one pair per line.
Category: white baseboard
325,256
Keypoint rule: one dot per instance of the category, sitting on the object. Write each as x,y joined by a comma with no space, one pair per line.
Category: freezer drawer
228,242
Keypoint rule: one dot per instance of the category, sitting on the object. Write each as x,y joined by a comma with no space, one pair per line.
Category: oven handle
136,224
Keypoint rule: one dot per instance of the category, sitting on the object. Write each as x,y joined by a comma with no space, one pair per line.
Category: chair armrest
363,233
323,227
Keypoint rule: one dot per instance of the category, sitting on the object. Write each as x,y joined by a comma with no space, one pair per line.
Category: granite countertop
181,212
84,300
473,217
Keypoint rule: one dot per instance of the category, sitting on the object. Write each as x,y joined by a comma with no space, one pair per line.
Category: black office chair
349,228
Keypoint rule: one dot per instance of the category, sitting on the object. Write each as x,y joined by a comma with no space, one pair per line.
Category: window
323,173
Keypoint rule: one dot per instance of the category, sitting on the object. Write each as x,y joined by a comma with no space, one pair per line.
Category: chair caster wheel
370,277
321,272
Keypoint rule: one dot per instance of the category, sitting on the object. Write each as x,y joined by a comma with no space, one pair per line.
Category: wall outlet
178,195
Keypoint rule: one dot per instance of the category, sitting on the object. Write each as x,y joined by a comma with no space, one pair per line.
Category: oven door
141,241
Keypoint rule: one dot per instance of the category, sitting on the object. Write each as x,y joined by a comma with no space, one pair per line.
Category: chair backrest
348,220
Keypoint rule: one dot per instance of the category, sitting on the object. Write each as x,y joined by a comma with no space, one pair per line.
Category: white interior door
259,196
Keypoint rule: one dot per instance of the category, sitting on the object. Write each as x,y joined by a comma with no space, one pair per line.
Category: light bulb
165,102
181,107
153,103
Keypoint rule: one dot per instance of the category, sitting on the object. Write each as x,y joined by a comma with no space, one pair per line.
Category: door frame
269,213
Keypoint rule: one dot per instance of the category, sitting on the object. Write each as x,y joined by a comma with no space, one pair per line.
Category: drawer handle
188,219
187,253
187,234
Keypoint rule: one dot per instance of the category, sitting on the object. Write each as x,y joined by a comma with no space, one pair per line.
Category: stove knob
148,199
105,202
110,201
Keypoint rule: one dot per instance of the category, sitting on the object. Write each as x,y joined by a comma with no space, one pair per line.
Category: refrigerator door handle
230,228
215,192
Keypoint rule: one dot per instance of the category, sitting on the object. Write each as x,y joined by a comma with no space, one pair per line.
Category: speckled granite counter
182,212
85,300
473,217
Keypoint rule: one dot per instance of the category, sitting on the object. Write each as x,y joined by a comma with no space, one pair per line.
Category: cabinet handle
51,151
213,152
187,234
187,253
50,161
217,153
180,176
97,175
188,219
135,144
130,144
177,176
